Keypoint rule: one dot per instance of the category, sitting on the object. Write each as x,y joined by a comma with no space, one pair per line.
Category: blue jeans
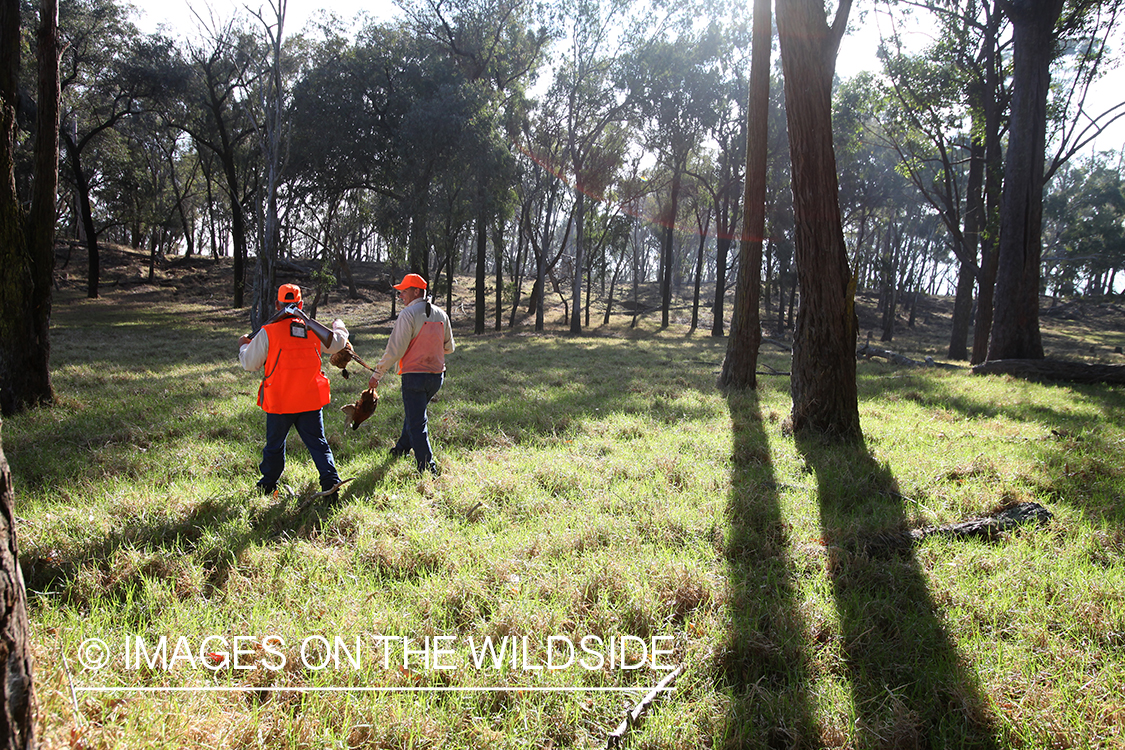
310,426
417,390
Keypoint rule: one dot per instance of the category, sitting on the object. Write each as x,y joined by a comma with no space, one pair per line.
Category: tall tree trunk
539,292
890,288
482,258
521,253
823,381
498,249
579,254
1015,325
698,279
85,216
993,186
668,253
722,252
27,257
17,690
740,367
238,230
967,274
27,240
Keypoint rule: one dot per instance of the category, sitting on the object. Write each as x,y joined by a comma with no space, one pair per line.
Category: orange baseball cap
289,293
411,280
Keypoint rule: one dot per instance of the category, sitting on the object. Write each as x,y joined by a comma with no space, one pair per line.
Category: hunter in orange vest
288,349
419,341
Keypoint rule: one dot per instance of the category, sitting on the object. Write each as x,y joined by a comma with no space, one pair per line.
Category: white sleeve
339,337
401,336
252,356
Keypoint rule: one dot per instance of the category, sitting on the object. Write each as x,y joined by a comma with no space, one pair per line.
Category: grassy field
596,493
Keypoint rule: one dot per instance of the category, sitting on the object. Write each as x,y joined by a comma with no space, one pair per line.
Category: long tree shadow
910,686
215,531
764,665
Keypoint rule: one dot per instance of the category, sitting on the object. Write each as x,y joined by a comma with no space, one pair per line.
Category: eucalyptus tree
27,257
722,179
596,39
922,119
740,364
131,187
619,227
407,127
341,90
542,144
1038,27
605,224
495,46
946,121
108,70
677,85
27,252
823,381
268,114
216,115
1084,223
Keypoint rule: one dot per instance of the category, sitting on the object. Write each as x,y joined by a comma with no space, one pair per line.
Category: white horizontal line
360,689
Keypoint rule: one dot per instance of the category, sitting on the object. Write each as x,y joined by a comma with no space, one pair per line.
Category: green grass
594,485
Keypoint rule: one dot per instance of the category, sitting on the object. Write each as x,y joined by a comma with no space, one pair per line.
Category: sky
178,17
857,50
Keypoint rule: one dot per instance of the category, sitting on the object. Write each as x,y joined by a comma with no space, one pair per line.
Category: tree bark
668,247
741,363
27,240
481,298
1015,325
579,248
966,277
17,691
86,217
1047,369
825,396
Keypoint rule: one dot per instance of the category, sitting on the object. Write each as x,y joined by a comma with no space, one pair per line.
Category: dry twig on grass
635,714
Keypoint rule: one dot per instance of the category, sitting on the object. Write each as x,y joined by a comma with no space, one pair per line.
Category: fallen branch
985,527
634,715
988,527
869,351
1053,369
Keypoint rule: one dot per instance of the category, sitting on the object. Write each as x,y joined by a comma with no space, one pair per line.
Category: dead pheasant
346,355
363,408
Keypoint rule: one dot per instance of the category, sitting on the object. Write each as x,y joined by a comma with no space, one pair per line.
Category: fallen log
867,351
1053,369
988,527
985,527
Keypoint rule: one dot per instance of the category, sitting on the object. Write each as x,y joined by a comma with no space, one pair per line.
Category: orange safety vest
426,352
293,380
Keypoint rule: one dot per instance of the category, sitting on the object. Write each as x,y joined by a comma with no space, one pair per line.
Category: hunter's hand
243,340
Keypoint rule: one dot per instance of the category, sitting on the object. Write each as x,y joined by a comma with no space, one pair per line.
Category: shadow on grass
764,667
520,390
1078,444
212,534
950,392
910,686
